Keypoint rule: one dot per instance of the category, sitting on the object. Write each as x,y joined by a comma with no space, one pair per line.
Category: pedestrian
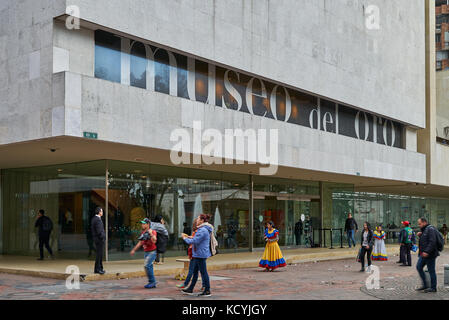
201,250
189,253
99,237
158,225
308,232
379,251
45,226
406,241
147,240
220,236
428,253
351,228
367,241
299,228
186,230
272,257
444,231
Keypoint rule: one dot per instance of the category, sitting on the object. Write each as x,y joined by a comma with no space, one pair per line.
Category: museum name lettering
148,67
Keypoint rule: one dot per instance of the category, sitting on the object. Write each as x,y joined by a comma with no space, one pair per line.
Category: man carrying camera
147,239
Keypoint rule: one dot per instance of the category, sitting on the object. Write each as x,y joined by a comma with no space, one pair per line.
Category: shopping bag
414,248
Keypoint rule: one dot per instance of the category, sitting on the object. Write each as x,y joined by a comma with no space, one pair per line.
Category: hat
145,221
405,223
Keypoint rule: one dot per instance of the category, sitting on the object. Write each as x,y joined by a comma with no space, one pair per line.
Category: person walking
189,253
379,251
158,225
45,226
147,240
406,241
99,237
272,257
201,251
299,228
367,241
351,228
428,253
444,231
186,230
308,232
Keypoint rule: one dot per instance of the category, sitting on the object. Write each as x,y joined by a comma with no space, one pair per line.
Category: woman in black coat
367,243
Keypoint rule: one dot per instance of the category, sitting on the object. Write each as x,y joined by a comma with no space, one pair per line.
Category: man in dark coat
99,237
351,228
299,227
428,253
45,226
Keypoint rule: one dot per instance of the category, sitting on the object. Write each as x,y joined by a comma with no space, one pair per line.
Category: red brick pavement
322,280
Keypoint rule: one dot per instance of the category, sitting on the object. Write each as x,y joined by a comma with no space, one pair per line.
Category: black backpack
440,240
47,225
161,242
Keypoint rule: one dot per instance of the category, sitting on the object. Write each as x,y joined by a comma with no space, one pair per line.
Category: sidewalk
56,269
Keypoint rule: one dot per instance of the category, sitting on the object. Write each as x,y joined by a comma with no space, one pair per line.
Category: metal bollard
446,275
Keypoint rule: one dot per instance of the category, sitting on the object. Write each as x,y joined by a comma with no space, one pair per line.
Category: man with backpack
431,242
204,246
158,225
45,226
406,241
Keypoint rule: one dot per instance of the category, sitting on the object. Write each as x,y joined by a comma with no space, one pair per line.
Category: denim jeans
350,235
368,253
199,265
430,263
190,274
149,259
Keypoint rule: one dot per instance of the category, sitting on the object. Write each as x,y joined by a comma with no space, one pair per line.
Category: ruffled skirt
379,251
272,257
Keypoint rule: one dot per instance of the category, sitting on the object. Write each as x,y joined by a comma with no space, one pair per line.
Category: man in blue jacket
200,253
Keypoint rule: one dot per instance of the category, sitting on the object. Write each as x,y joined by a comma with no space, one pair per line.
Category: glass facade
389,210
132,191
284,202
180,195
68,194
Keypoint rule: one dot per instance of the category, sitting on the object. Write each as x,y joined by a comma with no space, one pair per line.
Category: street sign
91,135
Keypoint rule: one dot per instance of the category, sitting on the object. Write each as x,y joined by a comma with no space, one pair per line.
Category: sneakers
150,286
205,293
421,289
187,291
180,286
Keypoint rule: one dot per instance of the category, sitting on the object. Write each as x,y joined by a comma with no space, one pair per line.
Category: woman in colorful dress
272,257
380,251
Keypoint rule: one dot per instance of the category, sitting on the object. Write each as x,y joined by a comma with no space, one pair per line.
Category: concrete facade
56,95
50,97
436,113
302,43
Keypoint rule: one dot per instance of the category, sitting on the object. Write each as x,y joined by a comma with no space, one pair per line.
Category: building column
107,210
1,214
251,214
326,208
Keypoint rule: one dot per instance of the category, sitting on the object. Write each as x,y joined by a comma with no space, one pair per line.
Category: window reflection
107,56
138,66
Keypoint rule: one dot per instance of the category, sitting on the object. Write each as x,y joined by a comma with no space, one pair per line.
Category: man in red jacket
147,239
